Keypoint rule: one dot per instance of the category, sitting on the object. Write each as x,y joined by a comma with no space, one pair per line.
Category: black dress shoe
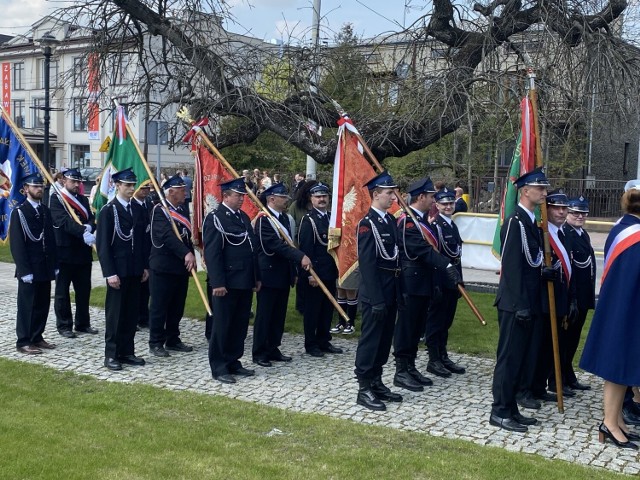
244,372
88,329
279,357
507,424
437,368
420,378
112,364
566,392
315,352
629,417
158,351
67,333
29,350
453,367
45,345
263,363
132,360
405,380
546,397
369,400
179,347
522,420
331,349
226,378
579,386
527,401
383,392
604,433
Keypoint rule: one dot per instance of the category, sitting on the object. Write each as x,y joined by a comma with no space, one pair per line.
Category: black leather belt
394,271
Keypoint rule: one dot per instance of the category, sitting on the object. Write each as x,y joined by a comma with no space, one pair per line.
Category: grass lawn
5,253
61,425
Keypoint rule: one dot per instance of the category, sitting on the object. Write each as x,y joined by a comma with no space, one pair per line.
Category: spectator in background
461,205
433,211
276,178
163,178
298,181
266,181
188,185
94,189
247,180
256,179
59,179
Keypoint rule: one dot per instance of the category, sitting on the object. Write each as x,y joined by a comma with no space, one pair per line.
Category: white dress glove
27,278
87,228
89,238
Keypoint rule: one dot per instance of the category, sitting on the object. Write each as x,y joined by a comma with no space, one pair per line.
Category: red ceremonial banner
207,195
6,86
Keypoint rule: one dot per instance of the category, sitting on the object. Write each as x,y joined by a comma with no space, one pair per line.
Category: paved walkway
454,408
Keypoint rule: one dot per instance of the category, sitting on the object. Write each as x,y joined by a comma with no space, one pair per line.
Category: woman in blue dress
610,349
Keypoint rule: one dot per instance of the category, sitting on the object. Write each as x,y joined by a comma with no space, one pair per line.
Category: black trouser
268,328
208,319
33,309
121,317
168,296
375,342
410,326
229,330
572,339
80,276
534,377
143,308
318,313
439,321
514,344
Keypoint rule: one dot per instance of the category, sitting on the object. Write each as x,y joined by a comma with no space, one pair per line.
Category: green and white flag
122,154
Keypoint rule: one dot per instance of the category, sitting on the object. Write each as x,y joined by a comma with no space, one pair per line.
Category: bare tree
422,86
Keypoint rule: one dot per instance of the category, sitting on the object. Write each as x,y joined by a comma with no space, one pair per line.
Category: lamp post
48,45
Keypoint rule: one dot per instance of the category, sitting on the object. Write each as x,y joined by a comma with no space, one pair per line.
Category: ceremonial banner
122,155
207,195
94,93
15,164
523,161
351,200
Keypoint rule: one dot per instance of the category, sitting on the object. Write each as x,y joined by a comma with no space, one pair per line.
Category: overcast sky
266,19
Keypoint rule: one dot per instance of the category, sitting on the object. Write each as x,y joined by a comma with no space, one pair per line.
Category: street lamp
48,44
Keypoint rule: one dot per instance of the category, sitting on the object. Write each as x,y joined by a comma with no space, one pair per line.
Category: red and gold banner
94,92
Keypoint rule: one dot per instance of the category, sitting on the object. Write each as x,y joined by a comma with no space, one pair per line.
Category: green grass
5,253
62,425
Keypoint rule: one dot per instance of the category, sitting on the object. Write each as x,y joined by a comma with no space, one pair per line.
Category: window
18,110
80,156
79,72
53,73
79,117
119,69
18,76
38,113
157,130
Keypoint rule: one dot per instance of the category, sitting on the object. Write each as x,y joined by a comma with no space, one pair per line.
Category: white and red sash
272,219
426,232
75,204
625,239
180,218
561,253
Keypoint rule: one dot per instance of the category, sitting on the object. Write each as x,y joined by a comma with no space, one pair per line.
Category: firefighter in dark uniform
518,299
231,256
171,261
121,243
419,261
442,309
583,284
539,367
317,308
142,198
33,247
277,261
379,293
75,255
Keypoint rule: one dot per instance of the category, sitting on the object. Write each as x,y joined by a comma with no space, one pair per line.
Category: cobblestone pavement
457,407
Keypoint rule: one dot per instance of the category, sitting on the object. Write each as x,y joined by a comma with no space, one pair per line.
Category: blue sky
289,20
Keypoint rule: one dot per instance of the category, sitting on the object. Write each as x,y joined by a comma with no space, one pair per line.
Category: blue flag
15,164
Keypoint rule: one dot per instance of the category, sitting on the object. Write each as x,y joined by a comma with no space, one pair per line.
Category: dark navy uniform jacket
419,259
231,256
167,250
450,244
33,258
68,232
379,277
313,234
276,258
118,252
560,285
520,285
583,265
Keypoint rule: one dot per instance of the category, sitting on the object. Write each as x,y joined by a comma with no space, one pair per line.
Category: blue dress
611,349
